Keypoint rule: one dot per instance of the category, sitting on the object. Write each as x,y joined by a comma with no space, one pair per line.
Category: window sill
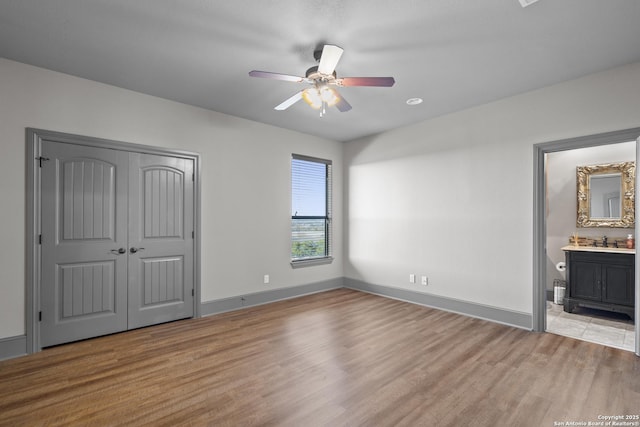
311,262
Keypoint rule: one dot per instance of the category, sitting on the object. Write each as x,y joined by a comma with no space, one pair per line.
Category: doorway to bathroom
555,225
587,323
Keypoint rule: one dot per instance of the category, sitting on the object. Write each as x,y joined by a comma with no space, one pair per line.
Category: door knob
134,250
119,251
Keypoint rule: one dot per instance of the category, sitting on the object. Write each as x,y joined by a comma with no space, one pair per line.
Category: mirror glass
606,195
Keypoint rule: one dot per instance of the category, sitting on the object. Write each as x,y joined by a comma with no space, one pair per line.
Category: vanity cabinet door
618,285
602,280
585,280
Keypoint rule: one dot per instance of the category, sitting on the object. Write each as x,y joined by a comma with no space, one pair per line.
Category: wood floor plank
337,358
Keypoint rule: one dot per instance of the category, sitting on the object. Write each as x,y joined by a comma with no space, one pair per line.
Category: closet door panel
83,286
161,278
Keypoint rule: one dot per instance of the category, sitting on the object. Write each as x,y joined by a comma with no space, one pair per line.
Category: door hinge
193,293
42,159
193,234
193,177
40,239
40,316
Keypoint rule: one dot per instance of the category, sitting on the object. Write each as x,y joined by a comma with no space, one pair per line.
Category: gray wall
245,179
452,198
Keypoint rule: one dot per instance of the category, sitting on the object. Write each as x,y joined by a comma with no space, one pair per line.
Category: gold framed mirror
606,195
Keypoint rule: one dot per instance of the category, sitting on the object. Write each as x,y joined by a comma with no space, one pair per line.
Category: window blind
310,207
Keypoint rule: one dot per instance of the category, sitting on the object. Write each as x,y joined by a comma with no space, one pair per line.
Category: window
310,211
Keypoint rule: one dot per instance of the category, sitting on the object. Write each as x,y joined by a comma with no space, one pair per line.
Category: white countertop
593,249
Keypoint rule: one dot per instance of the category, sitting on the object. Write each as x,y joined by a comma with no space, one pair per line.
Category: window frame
327,258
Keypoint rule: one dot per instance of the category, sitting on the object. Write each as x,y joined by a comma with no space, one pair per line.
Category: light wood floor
338,358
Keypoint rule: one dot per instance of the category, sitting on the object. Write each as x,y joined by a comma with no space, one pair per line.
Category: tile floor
598,326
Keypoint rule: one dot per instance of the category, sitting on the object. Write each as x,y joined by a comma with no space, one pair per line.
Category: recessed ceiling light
414,101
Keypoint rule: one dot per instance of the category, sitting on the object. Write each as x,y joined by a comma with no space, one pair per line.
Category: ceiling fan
322,79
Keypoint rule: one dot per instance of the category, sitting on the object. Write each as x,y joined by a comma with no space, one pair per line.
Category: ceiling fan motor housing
314,75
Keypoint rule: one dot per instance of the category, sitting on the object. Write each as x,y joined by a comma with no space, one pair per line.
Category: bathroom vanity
601,278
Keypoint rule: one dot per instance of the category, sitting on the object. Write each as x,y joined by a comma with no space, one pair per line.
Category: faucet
604,241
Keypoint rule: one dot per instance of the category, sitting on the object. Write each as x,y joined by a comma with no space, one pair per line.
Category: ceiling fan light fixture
328,95
316,96
312,97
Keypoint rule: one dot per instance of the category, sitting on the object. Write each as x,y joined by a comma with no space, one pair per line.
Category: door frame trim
539,216
34,139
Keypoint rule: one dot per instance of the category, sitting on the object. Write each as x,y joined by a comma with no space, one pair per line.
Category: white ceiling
452,53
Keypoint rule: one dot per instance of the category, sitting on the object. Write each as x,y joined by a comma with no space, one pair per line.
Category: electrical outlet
425,280
266,279
412,278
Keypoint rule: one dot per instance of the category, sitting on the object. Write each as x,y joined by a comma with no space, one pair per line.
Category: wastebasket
559,287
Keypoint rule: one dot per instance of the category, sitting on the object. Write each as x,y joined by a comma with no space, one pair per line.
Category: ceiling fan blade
342,103
329,60
289,102
366,81
277,76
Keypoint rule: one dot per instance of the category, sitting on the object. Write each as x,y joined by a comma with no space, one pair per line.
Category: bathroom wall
562,201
